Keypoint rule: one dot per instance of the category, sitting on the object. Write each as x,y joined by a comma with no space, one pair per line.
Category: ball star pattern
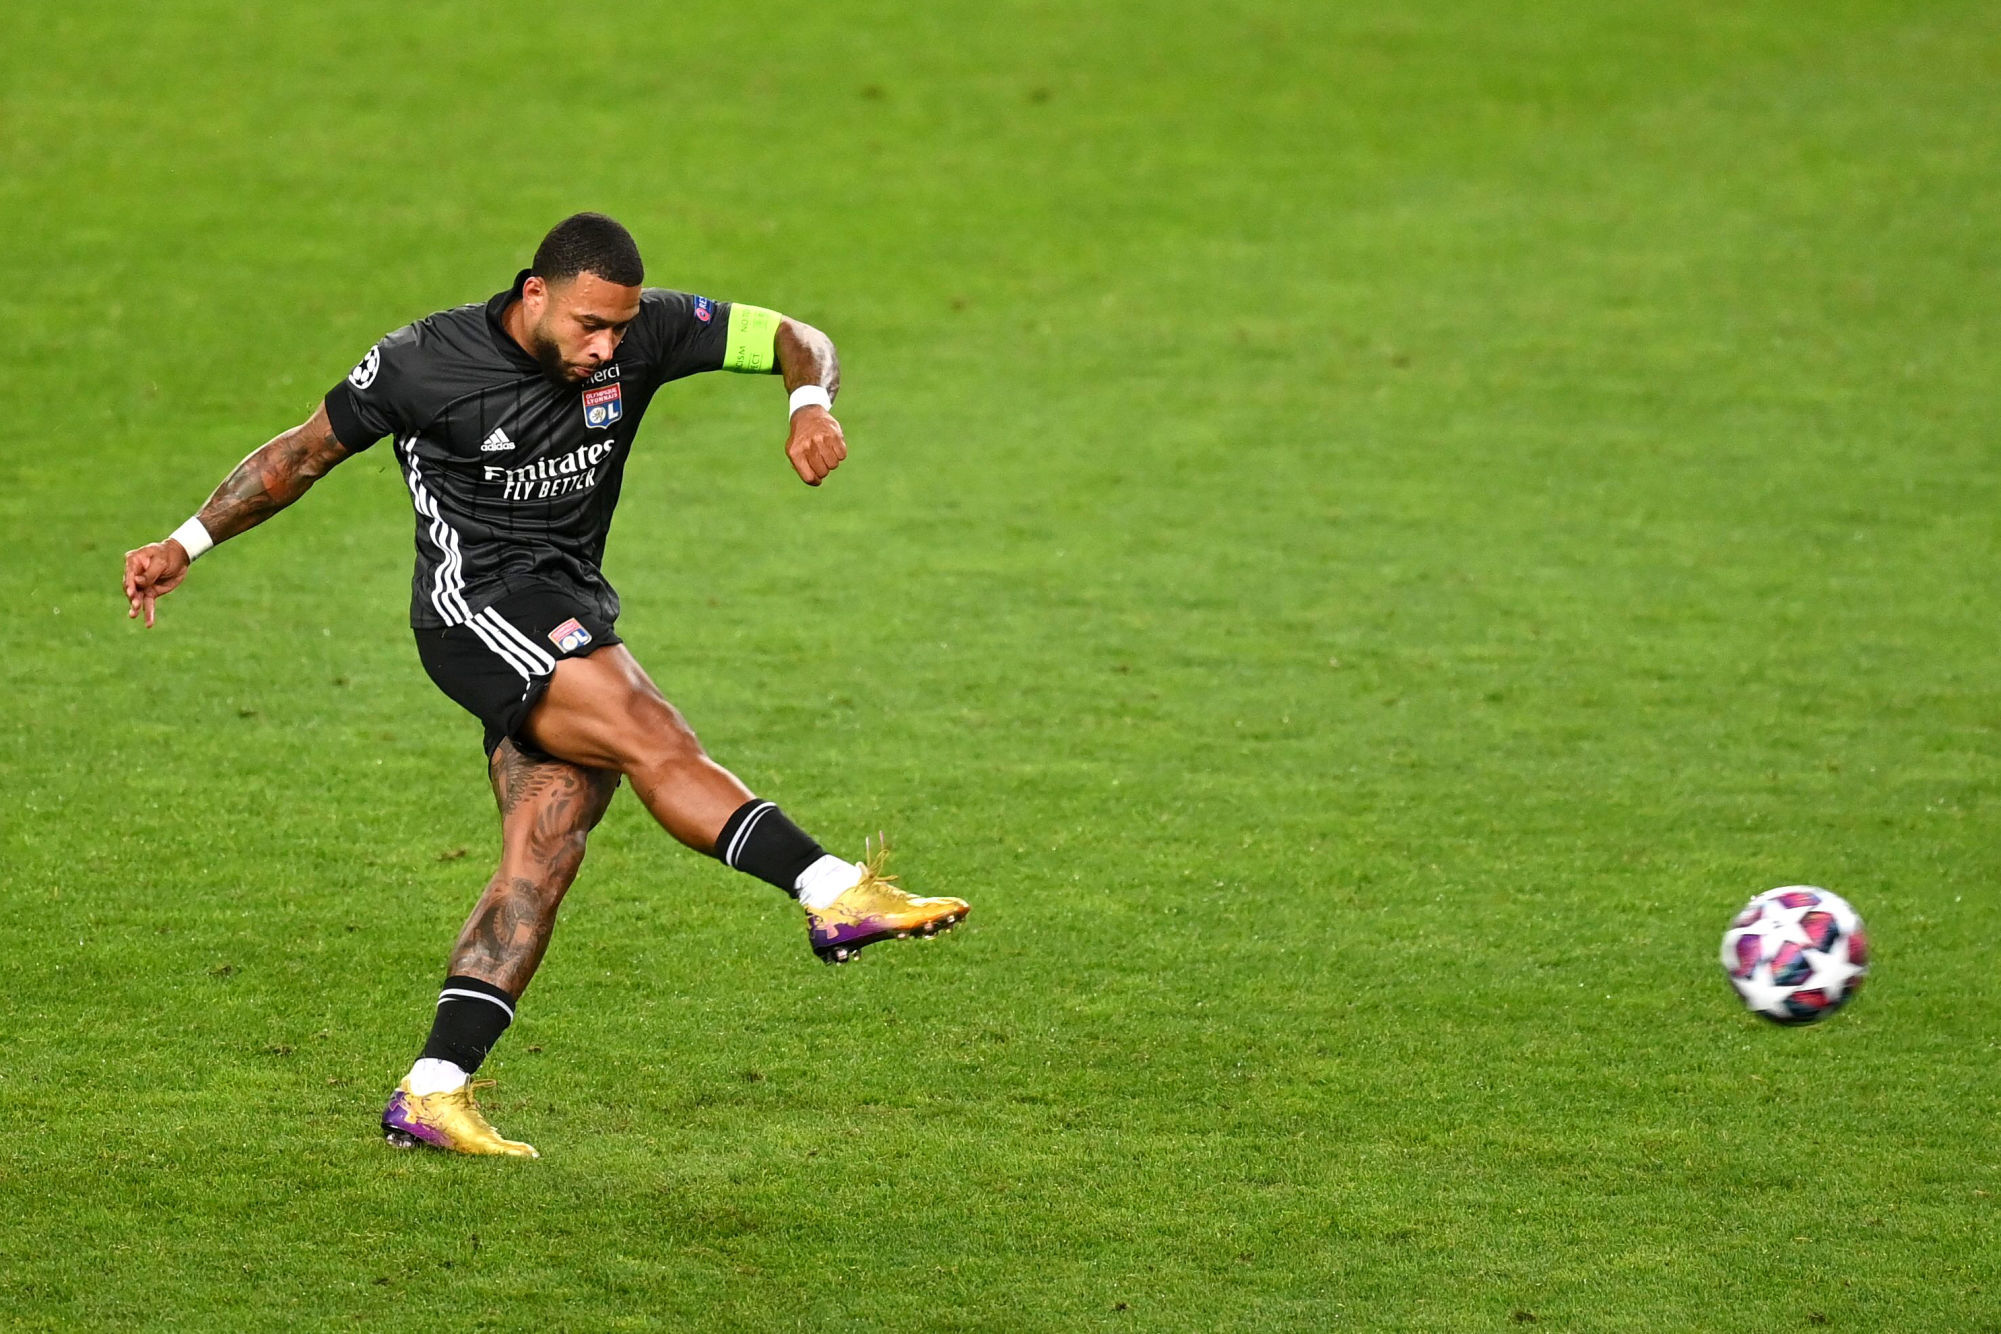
1784,930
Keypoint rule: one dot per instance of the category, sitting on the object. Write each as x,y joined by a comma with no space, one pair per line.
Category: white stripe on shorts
535,653
503,648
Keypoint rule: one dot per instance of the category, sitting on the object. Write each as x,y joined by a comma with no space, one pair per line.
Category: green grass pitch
1372,529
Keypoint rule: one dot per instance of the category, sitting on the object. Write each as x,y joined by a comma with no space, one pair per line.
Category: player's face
576,324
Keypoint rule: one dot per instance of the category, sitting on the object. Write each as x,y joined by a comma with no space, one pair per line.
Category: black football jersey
513,476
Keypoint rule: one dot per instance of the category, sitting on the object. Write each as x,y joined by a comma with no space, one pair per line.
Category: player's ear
534,289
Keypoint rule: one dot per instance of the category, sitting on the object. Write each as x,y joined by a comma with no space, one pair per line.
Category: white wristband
810,395
192,537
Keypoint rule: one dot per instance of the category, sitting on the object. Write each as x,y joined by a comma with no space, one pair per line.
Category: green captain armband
752,341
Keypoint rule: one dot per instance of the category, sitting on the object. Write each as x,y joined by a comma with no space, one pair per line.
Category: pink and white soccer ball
1796,954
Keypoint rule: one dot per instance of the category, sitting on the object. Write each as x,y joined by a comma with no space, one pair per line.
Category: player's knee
541,872
604,785
658,739
561,860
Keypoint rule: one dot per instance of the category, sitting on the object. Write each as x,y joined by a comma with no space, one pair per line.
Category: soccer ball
1796,954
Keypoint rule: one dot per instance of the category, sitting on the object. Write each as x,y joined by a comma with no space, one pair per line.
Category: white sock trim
430,1076
826,880
757,813
463,994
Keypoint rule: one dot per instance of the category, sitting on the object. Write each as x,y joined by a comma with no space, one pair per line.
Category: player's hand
816,446
152,572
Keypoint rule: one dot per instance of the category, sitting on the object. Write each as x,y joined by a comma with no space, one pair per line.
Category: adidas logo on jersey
496,442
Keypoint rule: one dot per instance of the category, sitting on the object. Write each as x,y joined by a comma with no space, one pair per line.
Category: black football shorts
497,664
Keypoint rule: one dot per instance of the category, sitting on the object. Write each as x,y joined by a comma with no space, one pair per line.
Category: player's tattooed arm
272,477
806,357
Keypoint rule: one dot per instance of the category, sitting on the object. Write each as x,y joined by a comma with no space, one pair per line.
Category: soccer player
511,422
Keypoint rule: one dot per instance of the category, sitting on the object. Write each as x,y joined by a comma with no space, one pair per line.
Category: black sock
758,840
471,1017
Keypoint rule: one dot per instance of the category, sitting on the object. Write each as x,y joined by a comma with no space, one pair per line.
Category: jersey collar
495,309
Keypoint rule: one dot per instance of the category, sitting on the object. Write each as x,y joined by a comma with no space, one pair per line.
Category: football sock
759,840
471,1017
427,1077
826,880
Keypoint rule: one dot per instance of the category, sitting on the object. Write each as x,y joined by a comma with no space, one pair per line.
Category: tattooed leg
547,810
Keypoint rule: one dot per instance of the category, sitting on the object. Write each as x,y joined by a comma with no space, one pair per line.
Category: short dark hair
589,243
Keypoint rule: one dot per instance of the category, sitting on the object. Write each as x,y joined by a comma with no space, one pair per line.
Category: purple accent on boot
843,932
396,1117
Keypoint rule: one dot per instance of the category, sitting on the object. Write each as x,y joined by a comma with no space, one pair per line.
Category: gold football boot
450,1120
875,909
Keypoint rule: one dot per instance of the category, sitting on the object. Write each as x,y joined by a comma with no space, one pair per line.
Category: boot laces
874,857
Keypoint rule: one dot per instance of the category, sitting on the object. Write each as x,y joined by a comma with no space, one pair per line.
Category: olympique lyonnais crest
602,407
569,636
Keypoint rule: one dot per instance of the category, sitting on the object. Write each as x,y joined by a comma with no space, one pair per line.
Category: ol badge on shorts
569,636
